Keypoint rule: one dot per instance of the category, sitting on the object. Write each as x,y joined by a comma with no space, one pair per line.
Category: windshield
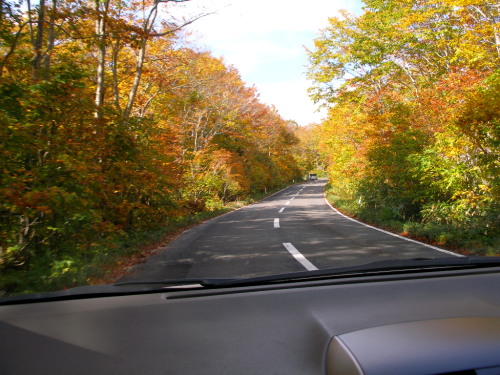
155,140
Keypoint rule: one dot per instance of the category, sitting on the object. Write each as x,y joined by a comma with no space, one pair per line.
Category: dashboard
439,322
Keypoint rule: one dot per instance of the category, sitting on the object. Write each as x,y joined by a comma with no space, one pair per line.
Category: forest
411,140
112,124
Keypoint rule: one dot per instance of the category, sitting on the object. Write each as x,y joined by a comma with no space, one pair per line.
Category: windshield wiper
118,289
389,266
183,283
144,287
374,268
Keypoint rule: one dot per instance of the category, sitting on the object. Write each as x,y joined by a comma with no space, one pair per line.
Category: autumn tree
400,81
110,124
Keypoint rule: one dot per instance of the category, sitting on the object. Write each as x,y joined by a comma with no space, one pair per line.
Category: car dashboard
440,322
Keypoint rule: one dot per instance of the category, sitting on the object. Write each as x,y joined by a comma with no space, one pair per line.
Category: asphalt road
292,230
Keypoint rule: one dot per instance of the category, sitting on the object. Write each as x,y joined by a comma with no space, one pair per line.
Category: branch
171,1
171,31
12,47
68,34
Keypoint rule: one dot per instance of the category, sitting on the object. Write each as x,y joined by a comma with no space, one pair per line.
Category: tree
401,136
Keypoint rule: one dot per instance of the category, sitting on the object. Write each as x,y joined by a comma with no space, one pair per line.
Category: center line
287,203
292,198
276,223
300,258
282,209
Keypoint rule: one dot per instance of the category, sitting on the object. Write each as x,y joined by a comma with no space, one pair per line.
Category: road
290,231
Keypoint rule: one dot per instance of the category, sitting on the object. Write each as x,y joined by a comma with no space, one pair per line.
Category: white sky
265,40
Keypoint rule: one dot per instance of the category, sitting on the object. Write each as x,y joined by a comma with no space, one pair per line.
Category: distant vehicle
313,176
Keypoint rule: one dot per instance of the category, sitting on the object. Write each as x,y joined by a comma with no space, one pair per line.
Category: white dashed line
287,203
299,257
276,223
282,209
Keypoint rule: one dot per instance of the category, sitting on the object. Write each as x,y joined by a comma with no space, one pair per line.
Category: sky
266,41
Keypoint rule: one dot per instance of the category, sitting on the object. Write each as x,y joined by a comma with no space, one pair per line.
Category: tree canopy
110,123
413,127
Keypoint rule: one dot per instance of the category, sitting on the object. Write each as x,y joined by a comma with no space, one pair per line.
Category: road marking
282,209
287,203
300,258
276,223
292,198
392,234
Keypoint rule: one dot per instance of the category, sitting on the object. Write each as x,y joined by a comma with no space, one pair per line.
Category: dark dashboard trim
332,281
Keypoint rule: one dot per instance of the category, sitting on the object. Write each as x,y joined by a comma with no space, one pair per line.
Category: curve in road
293,230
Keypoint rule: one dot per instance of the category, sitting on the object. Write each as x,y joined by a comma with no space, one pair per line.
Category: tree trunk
137,80
114,70
148,26
100,30
37,47
50,39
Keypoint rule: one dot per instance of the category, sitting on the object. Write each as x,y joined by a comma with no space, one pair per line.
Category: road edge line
392,234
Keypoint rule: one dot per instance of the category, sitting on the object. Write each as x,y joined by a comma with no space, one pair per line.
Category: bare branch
177,28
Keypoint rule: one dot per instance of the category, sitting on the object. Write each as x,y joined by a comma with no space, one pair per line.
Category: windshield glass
153,140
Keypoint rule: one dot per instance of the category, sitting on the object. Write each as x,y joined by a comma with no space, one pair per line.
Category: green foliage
168,139
413,136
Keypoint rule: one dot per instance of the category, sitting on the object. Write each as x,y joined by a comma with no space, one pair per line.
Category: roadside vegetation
114,257
113,127
411,140
115,133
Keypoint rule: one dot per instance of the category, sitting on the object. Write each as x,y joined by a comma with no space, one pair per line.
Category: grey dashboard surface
421,347
280,329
